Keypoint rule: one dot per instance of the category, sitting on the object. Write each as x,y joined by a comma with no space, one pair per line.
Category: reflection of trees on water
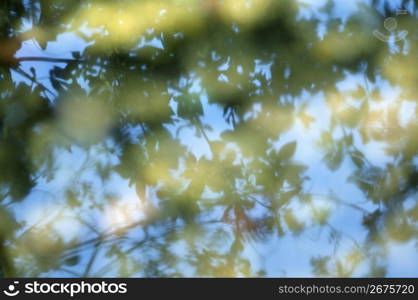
102,152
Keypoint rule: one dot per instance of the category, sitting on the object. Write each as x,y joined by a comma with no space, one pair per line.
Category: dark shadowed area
208,138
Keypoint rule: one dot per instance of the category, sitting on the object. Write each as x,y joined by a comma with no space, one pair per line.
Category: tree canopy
197,137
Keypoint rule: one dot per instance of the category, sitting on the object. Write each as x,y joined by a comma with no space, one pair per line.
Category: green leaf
72,260
287,151
358,158
359,93
334,157
292,222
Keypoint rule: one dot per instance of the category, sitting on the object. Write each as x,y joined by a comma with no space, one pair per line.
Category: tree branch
48,59
33,80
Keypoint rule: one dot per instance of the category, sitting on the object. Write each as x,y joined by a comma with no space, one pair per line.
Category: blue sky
285,256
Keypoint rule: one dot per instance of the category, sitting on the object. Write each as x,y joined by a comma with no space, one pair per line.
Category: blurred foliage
153,69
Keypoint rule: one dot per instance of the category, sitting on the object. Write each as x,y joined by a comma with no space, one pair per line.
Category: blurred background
208,138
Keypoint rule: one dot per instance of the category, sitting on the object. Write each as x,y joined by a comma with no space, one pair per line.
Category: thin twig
92,259
33,80
48,59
